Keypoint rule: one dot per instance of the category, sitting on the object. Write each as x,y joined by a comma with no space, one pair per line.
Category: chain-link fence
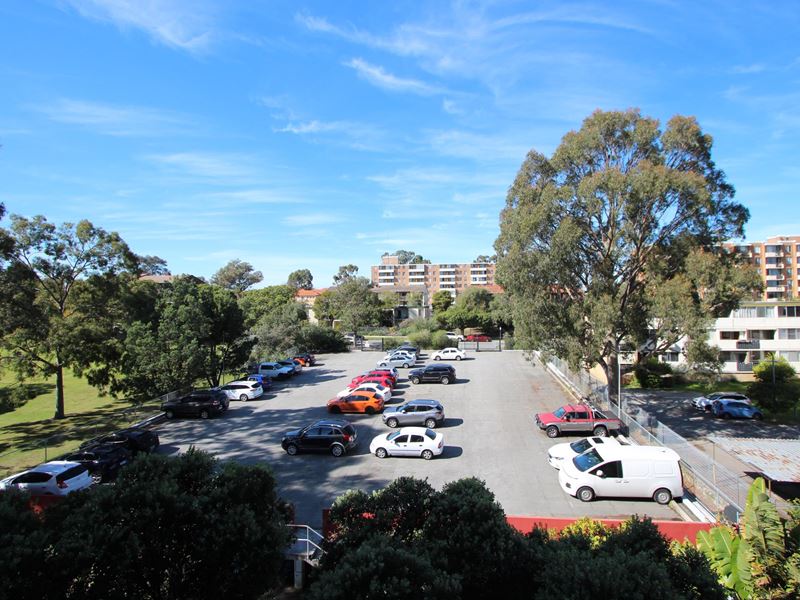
720,489
51,447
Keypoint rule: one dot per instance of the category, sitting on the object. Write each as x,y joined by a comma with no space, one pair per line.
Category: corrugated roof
777,459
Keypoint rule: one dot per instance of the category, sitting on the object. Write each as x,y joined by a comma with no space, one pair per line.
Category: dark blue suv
736,409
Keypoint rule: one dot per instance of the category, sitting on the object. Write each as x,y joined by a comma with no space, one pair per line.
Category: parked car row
728,405
96,461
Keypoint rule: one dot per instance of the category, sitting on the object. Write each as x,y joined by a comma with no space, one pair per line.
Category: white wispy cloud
257,196
179,24
748,69
312,219
314,127
379,77
358,136
206,164
111,119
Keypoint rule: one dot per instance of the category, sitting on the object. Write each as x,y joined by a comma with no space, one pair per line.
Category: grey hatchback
416,412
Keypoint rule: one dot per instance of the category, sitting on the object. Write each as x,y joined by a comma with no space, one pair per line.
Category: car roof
424,402
419,430
332,422
244,381
54,467
620,451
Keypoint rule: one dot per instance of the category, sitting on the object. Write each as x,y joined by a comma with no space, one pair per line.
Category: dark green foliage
23,540
345,273
184,527
315,338
236,276
276,332
355,304
257,304
776,387
302,279
459,540
649,372
441,301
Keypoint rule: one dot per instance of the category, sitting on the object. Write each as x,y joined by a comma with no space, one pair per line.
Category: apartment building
776,260
750,334
454,278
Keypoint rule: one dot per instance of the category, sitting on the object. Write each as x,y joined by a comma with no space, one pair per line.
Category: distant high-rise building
390,275
776,260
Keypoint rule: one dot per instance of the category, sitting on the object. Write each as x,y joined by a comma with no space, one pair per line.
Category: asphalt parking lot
489,433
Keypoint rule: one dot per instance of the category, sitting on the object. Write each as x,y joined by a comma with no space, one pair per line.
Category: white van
623,471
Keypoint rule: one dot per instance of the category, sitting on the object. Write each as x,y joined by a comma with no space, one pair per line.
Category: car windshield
559,412
392,435
580,446
430,434
587,460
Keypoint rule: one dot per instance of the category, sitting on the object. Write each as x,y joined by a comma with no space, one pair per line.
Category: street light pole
619,384
501,338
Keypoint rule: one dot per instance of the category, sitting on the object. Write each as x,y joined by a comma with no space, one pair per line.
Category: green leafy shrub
316,338
14,397
440,340
649,373
421,339
393,342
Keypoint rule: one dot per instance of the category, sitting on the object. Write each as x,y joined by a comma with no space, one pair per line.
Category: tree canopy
345,273
776,386
236,276
355,304
441,301
616,237
302,279
405,257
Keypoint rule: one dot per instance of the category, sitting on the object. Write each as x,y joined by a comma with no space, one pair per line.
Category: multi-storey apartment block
453,278
776,260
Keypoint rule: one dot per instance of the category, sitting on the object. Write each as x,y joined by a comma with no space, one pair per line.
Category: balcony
416,268
744,367
386,269
748,344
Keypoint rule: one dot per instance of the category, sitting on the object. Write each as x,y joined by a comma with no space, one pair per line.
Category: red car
385,381
477,338
384,373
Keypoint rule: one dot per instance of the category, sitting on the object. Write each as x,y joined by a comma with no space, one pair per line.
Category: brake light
346,437
62,484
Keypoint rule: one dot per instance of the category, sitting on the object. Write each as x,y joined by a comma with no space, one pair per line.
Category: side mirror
567,417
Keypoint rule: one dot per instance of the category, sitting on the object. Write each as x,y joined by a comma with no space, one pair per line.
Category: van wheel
337,450
430,423
552,431
600,431
585,494
381,453
662,496
243,397
204,414
392,423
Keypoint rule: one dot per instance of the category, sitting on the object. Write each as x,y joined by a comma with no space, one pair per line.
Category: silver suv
416,412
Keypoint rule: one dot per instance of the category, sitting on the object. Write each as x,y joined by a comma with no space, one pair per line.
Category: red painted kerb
672,530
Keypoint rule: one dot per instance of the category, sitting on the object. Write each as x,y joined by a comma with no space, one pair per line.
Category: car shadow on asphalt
450,452
450,422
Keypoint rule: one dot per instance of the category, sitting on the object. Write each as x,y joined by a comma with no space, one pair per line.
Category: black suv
134,440
104,461
329,435
199,403
442,373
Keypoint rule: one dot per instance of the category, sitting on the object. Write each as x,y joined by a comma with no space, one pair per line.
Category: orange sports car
362,401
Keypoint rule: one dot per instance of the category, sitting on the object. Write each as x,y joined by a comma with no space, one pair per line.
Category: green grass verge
28,430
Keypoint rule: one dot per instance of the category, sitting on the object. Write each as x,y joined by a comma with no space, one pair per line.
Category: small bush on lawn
440,340
315,338
648,373
421,339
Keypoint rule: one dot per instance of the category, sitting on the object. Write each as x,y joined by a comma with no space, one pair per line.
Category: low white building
751,333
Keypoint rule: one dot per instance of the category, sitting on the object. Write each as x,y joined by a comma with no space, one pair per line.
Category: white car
404,361
408,441
395,353
449,354
454,336
54,478
560,453
242,390
368,387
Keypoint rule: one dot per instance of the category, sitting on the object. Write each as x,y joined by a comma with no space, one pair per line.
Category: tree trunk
611,366
59,392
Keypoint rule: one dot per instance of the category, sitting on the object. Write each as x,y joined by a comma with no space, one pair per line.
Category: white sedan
560,453
368,387
408,441
449,354
402,360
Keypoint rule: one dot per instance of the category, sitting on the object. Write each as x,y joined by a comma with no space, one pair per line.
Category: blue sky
297,134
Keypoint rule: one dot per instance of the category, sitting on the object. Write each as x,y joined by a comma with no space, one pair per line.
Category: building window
729,335
791,356
793,310
789,334
671,356
758,261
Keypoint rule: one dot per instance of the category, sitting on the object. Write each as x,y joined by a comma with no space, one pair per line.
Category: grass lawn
703,388
28,430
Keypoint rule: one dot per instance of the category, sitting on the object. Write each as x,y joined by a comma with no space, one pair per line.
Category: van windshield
587,460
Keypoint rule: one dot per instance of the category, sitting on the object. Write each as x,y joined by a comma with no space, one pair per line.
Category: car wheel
437,358
381,453
552,431
415,380
430,423
337,449
369,410
392,423
335,410
169,414
585,494
427,454
758,416
458,358
405,365
291,449
445,380
96,477
600,431
662,496
204,414
243,397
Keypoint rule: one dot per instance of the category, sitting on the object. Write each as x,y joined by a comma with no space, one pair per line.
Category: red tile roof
309,293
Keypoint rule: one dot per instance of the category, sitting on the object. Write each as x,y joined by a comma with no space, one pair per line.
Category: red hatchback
383,373
477,338
385,381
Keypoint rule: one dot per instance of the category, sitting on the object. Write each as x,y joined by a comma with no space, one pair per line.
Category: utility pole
773,379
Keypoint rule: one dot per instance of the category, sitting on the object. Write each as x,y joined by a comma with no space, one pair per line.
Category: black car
134,440
104,461
199,403
442,373
329,435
